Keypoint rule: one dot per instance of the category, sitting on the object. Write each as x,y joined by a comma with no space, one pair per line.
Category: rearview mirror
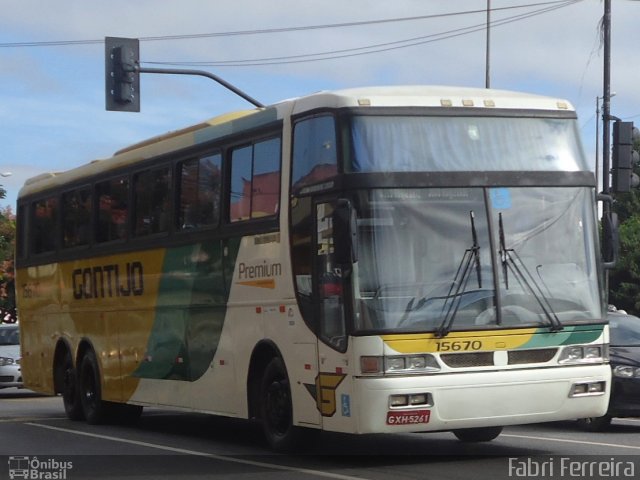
610,235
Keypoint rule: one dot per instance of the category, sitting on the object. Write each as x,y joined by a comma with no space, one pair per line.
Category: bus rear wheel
276,410
95,410
484,434
70,389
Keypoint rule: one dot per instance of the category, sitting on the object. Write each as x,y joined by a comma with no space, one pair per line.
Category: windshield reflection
442,144
426,260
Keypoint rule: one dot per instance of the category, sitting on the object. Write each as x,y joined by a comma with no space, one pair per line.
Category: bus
371,260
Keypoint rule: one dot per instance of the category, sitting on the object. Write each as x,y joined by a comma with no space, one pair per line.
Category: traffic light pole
122,75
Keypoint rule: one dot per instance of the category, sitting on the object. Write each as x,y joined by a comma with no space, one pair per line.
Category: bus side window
314,151
44,215
21,232
255,180
302,256
241,167
265,192
112,198
76,217
330,280
152,202
200,183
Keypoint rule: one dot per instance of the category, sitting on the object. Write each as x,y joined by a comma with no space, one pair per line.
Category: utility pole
487,79
607,220
606,101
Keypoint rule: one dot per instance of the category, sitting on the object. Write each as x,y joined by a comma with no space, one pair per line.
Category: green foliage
624,280
7,248
7,234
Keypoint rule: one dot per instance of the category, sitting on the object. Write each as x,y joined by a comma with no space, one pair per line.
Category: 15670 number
458,345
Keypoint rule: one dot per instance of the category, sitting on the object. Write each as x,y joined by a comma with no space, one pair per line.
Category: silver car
10,373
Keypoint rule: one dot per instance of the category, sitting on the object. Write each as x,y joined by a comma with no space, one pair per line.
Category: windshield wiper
475,248
460,280
511,261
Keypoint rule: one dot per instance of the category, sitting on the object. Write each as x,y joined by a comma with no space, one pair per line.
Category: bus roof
223,125
429,96
234,122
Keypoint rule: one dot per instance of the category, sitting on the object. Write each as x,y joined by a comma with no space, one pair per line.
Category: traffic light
122,76
624,156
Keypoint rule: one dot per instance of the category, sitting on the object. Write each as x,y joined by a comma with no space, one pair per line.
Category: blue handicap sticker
346,406
500,198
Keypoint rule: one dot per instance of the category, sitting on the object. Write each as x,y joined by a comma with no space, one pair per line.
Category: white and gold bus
393,259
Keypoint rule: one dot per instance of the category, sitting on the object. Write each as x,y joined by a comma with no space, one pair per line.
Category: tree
624,280
7,249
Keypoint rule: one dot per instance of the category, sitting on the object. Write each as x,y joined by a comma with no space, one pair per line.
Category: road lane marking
565,440
214,456
28,419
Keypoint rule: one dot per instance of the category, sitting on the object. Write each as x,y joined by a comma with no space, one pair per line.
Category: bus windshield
442,259
467,143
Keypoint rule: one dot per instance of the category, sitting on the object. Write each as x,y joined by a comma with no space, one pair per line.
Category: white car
10,373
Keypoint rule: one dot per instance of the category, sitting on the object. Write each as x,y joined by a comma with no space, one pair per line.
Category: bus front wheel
484,434
276,409
95,410
596,424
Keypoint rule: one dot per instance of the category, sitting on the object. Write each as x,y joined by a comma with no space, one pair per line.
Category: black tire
596,424
276,410
70,389
95,410
484,434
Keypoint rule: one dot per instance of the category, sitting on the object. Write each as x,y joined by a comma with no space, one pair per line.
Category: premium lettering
252,272
107,281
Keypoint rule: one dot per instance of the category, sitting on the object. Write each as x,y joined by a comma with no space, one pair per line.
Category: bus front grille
487,359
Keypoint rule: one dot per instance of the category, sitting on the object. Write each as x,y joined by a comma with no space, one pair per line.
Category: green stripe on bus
567,336
190,311
241,124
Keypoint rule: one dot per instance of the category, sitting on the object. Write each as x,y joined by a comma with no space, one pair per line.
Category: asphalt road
37,441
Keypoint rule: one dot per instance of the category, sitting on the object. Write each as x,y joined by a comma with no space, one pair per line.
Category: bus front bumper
480,399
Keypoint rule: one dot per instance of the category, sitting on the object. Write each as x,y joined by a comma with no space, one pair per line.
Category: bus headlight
398,364
579,354
394,364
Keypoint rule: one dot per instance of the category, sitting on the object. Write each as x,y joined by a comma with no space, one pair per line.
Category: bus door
332,276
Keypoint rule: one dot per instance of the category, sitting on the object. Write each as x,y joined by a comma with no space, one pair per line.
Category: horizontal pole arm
203,73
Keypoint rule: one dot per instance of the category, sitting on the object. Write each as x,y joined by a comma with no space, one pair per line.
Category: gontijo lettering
108,281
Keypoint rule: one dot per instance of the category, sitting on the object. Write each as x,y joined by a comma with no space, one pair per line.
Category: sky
52,86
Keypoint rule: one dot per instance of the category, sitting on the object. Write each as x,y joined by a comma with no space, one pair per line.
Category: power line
370,49
58,43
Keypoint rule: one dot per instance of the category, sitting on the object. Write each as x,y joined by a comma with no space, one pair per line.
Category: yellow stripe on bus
459,341
265,283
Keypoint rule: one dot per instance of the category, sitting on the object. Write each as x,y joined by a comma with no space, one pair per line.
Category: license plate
408,418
